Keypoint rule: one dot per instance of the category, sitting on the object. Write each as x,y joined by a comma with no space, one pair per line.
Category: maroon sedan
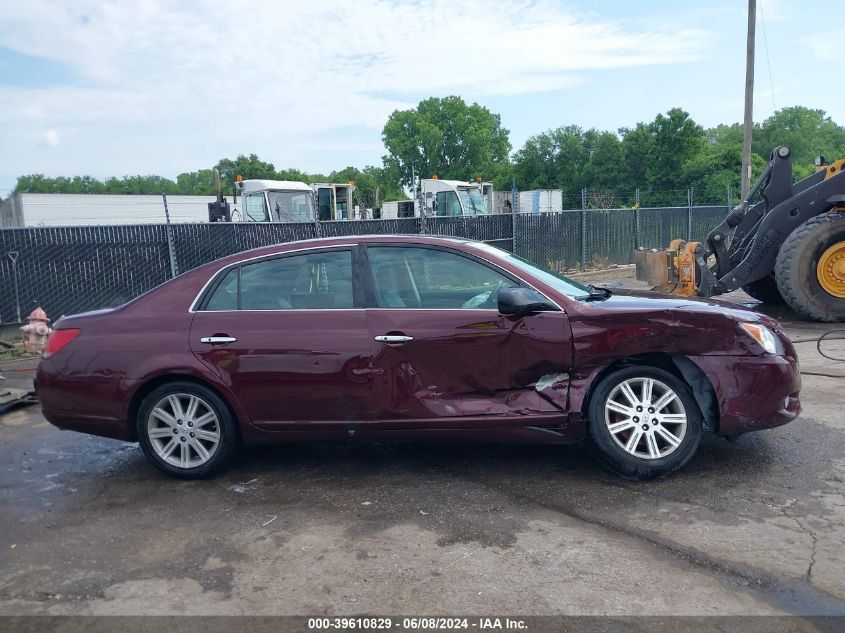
412,338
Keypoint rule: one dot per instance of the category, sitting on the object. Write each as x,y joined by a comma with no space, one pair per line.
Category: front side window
561,283
411,277
255,207
291,206
309,281
447,204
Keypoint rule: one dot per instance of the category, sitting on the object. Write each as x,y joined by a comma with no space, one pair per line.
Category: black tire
765,290
795,268
613,454
224,426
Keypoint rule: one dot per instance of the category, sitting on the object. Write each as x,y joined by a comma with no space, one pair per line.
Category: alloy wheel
183,430
645,417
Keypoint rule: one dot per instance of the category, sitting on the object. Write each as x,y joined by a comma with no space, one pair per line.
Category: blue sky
115,88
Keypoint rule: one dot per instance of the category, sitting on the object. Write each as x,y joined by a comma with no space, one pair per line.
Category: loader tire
797,269
765,290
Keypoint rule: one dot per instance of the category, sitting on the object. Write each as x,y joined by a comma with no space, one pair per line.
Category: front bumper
753,392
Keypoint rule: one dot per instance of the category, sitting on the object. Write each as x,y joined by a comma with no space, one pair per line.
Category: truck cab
274,201
454,198
334,201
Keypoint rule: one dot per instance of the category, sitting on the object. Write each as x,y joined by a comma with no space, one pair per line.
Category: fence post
513,216
174,269
421,203
637,219
583,228
689,214
13,255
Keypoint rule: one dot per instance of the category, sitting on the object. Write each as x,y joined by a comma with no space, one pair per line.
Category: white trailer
455,197
76,209
399,209
540,200
274,201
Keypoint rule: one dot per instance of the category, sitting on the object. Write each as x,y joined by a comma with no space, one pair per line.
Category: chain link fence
73,269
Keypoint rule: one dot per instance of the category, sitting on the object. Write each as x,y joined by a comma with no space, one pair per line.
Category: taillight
58,340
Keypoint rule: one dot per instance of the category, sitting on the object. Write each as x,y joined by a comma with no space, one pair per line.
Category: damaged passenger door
446,358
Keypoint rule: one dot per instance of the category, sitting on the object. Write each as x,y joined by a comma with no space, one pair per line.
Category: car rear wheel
644,422
186,430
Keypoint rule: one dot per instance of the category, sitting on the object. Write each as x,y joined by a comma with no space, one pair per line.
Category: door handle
394,338
217,340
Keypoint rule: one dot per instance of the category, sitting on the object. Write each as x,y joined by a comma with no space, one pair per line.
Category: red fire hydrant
36,330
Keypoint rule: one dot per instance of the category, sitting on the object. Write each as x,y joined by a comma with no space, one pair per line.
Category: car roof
319,242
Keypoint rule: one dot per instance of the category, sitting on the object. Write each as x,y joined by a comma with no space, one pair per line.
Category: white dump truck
453,198
274,201
292,201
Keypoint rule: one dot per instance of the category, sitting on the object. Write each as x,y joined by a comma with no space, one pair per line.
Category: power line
768,61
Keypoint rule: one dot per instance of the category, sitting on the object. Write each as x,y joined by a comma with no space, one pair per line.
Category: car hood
645,301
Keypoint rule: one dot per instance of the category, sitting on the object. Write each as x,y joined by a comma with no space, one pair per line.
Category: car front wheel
644,422
186,430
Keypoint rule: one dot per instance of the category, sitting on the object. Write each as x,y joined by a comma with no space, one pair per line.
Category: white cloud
240,75
51,137
821,46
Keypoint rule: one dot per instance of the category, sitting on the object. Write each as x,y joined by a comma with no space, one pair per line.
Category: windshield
291,206
473,202
569,287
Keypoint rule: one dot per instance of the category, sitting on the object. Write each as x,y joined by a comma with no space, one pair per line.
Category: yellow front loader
787,248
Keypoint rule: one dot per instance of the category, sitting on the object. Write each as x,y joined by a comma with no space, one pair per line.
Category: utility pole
748,122
376,205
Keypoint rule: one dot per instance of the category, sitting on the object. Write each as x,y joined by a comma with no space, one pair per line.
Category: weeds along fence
73,269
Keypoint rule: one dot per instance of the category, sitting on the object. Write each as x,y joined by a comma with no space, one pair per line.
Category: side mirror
522,302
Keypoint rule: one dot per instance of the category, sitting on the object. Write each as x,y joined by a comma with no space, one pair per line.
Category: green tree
369,182
298,175
446,137
677,139
654,155
605,158
198,183
569,158
805,131
38,183
247,166
139,185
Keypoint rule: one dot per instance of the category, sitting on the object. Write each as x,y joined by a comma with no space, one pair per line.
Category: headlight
764,336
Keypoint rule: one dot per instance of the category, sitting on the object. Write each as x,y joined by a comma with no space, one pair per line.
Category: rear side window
308,281
225,297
